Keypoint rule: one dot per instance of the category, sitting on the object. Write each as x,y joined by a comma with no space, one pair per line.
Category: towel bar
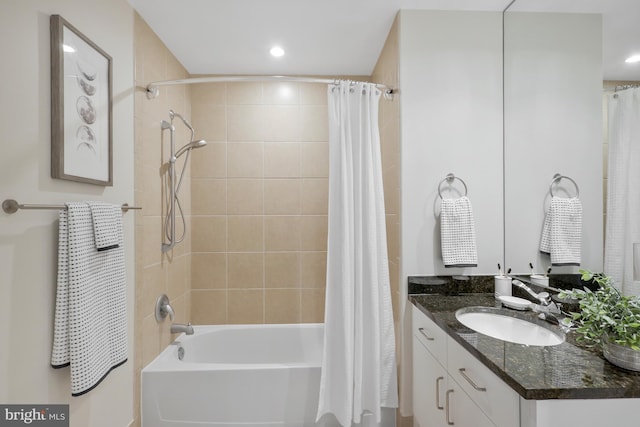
11,206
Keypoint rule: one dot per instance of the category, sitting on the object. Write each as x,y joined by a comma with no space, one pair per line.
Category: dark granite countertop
564,371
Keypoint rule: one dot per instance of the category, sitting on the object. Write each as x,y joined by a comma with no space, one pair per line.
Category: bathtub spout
177,328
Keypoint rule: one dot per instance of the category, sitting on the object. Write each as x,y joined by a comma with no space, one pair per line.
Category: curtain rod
623,87
152,88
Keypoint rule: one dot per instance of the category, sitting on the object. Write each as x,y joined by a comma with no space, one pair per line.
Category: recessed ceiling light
276,51
634,58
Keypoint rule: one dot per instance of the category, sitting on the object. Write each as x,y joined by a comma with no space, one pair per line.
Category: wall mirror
552,124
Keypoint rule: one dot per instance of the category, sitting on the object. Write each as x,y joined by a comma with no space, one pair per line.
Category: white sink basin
502,325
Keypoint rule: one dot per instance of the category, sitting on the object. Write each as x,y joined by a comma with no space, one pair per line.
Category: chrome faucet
178,328
164,309
546,305
543,297
564,323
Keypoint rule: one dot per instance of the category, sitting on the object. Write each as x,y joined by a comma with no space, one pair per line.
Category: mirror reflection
554,123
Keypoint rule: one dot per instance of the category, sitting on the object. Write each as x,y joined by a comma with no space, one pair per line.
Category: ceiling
340,37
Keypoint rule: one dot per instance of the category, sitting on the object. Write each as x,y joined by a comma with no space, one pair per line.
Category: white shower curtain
358,366
623,201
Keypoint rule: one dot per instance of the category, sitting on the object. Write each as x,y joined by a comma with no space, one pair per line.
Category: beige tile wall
156,273
386,71
259,192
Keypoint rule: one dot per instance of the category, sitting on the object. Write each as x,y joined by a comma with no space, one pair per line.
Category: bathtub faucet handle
163,308
167,308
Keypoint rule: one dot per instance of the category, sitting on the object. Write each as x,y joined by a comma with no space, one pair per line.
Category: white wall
553,124
451,121
28,238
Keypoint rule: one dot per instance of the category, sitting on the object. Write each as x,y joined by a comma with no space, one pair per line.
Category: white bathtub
236,375
240,375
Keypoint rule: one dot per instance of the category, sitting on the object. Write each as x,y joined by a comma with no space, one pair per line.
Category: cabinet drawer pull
447,402
438,393
469,380
421,330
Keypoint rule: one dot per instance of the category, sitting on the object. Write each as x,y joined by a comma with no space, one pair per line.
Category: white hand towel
107,219
90,330
458,233
562,231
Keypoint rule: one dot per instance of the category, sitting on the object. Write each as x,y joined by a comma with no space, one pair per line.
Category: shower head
190,146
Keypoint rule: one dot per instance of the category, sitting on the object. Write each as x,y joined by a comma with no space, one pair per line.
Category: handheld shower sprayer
174,186
194,143
190,146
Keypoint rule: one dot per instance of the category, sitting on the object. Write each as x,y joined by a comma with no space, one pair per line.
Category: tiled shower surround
255,198
259,203
156,273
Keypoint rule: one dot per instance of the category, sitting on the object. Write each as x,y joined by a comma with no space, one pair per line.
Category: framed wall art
81,104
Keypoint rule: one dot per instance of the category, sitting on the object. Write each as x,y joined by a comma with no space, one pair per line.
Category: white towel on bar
458,233
562,231
90,330
107,218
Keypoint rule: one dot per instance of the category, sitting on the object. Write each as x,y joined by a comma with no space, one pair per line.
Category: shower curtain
358,366
623,200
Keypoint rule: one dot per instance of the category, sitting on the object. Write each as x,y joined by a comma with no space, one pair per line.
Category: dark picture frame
81,107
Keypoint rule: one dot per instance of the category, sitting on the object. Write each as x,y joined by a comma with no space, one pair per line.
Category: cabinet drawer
430,334
490,393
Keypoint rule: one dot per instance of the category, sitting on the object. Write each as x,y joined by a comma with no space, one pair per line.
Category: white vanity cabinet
438,398
495,398
429,373
451,387
429,386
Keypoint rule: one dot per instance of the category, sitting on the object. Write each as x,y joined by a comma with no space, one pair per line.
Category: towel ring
450,178
556,178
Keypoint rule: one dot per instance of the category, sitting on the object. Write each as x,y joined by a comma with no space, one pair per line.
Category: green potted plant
609,320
